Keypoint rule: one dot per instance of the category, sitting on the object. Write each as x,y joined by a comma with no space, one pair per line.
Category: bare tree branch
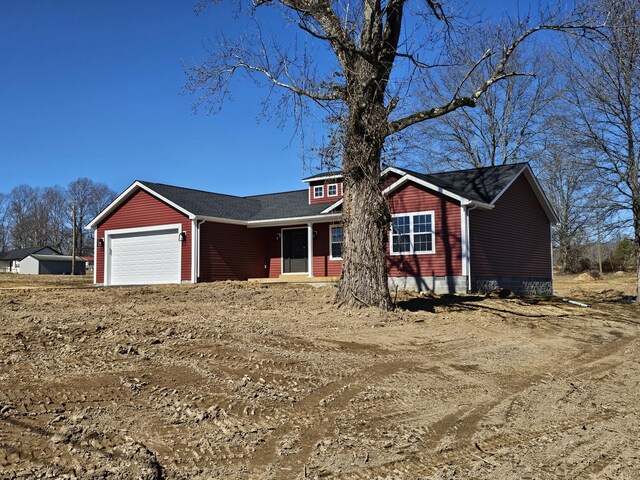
499,73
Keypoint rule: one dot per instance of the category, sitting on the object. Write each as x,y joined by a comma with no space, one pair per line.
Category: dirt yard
233,381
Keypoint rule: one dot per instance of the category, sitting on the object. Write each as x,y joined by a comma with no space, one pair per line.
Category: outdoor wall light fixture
315,233
277,236
182,236
101,242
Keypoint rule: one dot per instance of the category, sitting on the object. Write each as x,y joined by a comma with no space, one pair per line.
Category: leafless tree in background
35,217
507,125
23,215
4,222
89,199
362,62
604,81
55,212
569,186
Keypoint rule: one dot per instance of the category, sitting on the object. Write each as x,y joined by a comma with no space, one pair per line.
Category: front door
294,250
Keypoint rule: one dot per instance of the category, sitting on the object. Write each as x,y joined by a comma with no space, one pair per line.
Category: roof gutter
270,222
293,221
230,221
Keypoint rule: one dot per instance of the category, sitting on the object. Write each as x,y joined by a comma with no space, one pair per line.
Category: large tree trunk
634,186
636,243
365,213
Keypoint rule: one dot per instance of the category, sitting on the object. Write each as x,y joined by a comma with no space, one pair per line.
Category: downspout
310,249
197,250
472,206
95,255
551,246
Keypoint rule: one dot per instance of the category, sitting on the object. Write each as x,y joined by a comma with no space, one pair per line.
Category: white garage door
144,258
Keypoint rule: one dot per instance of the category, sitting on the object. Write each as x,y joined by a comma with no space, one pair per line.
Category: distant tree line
34,216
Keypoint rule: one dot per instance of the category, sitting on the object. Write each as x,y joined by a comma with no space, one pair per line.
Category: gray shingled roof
479,184
286,205
256,207
21,253
207,204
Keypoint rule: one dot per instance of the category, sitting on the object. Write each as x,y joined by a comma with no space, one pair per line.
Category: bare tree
88,198
4,222
507,125
605,87
37,217
569,184
53,201
23,214
361,61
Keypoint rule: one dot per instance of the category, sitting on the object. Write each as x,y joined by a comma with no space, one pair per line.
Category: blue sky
95,89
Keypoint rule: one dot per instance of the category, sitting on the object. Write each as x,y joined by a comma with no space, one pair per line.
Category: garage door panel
145,257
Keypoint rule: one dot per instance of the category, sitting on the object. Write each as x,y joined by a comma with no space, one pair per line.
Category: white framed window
335,239
412,233
318,191
332,190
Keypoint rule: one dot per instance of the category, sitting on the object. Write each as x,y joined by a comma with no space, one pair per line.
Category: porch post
310,248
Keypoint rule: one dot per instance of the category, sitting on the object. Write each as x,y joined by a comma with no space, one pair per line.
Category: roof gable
475,184
129,192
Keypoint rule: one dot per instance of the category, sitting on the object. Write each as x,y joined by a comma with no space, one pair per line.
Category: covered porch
277,253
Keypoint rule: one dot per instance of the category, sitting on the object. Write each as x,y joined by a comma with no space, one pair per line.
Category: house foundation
439,285
525,286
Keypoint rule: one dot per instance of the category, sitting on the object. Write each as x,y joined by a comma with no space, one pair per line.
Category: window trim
331,227
321,191
329,190
411,233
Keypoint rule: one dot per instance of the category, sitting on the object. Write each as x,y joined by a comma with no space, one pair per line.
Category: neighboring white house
10,261
42,264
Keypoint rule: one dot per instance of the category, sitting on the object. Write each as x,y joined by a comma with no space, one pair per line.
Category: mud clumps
234,381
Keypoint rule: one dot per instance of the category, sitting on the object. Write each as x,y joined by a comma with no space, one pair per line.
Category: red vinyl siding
325,189
273,248
144,210
447,259
323,265
231,252
513,239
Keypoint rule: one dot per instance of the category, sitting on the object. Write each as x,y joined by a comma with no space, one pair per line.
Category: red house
467,230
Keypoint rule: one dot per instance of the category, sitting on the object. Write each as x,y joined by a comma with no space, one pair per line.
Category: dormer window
332,190
318,191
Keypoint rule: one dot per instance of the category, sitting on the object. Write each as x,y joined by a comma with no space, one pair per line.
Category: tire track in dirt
317,420
462,425
466,425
